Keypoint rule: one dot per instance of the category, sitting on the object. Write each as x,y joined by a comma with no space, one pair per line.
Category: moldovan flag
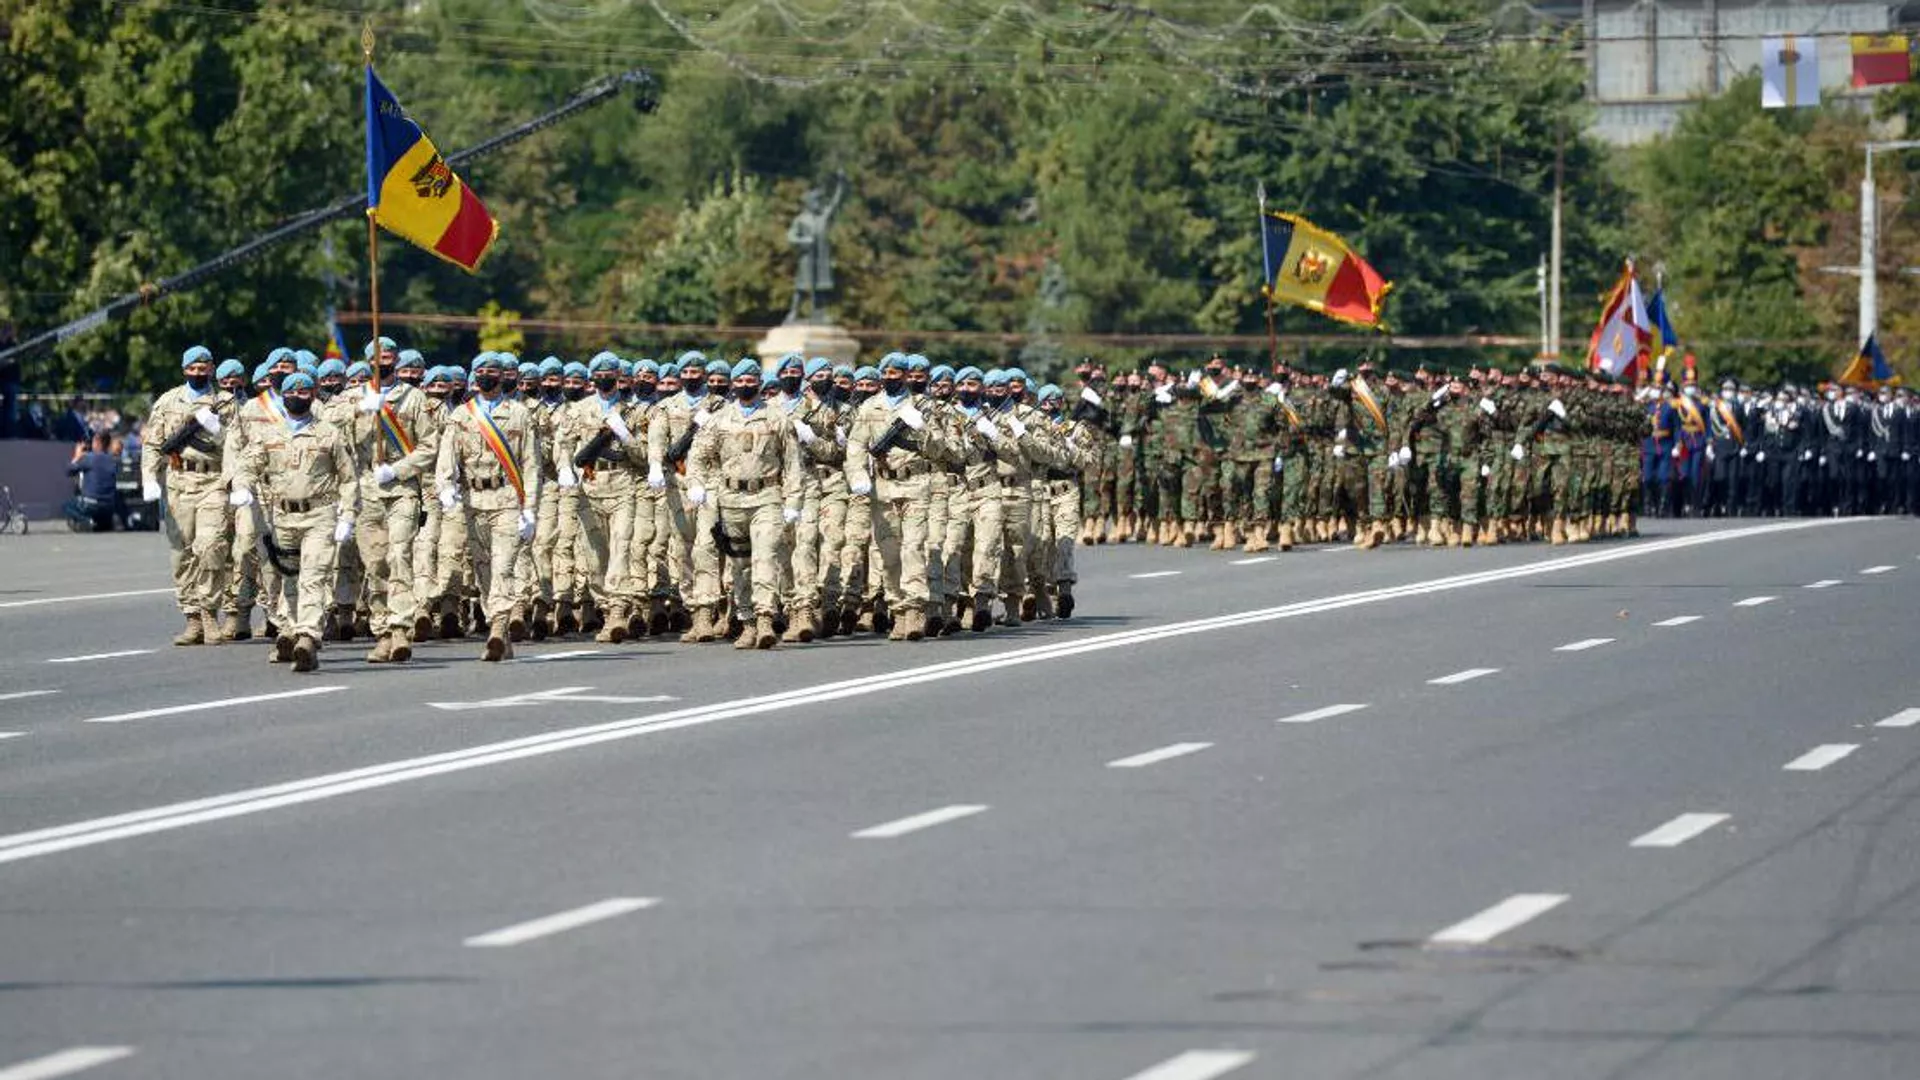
1621,337
1868,368
412,192
1879,59
1789,72
1309,266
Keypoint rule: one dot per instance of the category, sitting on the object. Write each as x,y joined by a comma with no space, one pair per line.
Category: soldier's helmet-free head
717,377
230,374
791,370
646,377
359,372
1051,399
745,378
198,354
819,374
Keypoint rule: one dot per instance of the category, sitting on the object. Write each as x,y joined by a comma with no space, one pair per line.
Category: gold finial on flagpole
366,39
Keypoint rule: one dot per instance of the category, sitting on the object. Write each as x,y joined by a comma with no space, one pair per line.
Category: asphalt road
1621,810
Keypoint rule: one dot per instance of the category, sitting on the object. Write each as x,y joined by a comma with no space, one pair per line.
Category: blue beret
602,362
1017,374
529,369
692,356
279,354
196,355
1049,392
996,377
260,372
748,366
305,356
894,360
868,372
551,366
626,369
574,369
299,380
603,354
456,373
943,373
435,374
409,358
718,367
916,362
793,361
229,368
360,369
487,361
385,344
508,360
329,368
842,369
646,367
670,370
306,367
966,373
816,365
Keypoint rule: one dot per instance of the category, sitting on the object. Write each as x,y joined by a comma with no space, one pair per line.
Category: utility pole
1553,285
1540,289
1869,240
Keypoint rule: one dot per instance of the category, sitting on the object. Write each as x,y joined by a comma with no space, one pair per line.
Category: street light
1869,239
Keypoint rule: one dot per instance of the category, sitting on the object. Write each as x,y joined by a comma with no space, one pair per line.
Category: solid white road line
75,600
1498,919
1583,646
1824,583
1196,1065
171,710
1155,574
568,655
1152,757
1255,561
1878,570
1462,676
18,694
11,734
1820,757
928,820
1679,830
66,1062
520,933
1323,713
89,832
1678,620
98,656
1754,601
1903,718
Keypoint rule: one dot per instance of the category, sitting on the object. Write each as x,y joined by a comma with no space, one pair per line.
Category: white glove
1743,451
805,431
1406,454
618,425
1163,396
207,420
991,430
568,478
1905,456
1339,378
1019,427
1126,440
1275,389
1087,395
1486,470
1676,452
1439,396
1760,457
840,435
1487,406
1872,456
1807,455
696,495
383,474
342,531
700,418
864,487
527,523
1856,455
910,414
1279,464
1557,409
656,476
1339,450
790,515
150,491
369,400
1710,453
1340,436
1518,453
449,496
1823,461
240,497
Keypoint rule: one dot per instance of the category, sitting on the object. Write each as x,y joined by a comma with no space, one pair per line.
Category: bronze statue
808,233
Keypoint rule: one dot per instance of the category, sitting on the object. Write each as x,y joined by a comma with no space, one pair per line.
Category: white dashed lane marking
1154,574
1679,830
1820,757
66,1062
76,599
1255,561
1154,757
560,923
892,829
1583,646
1824,583
1878,570
1462,676
18,694
200,706
1754,601
1678,620
98,656
11,734
1903,718
1512,912
1196,1065
1324,713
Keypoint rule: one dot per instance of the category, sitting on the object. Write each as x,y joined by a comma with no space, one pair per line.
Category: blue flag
1657,310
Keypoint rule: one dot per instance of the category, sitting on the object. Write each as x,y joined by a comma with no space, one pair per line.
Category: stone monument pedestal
809,340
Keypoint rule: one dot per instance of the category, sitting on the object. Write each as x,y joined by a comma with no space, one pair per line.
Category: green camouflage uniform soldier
1167,459
1253,424
1133,409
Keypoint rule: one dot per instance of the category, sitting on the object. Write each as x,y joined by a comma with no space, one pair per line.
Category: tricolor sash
1293,415
1733,424
497,442
271,402
1690,417
396,432
1363,394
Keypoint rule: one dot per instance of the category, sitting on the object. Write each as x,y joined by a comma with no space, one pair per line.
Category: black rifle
677,450
590,453
728,546
896,435
181,439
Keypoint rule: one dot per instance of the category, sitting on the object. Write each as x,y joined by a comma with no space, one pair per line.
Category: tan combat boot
195,632
1559,534
1286,538
401,650
1257,538
1456,537
916,624
306,654
614,630
1184,536
382,651
750,636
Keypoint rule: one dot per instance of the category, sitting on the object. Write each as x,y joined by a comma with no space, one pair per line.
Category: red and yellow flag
412,192
1879,59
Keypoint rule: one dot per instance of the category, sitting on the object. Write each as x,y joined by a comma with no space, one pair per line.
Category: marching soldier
182,460
490,460
747,460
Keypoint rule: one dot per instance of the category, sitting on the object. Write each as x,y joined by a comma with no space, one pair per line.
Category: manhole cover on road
1325,997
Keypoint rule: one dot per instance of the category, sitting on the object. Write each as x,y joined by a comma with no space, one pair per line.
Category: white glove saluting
618,425
369,400
910,415
988,428
805,431
207,420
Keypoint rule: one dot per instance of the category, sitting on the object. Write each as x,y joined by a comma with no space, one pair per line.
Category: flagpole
1266,290
373,233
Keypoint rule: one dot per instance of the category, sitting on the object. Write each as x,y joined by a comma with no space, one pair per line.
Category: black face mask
842,394
969,398
198,383
893,386
330,388
574,393
412,377
644,389
299,405
695,388
486,384
858,395
605,384
746,393
386,373
790,383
